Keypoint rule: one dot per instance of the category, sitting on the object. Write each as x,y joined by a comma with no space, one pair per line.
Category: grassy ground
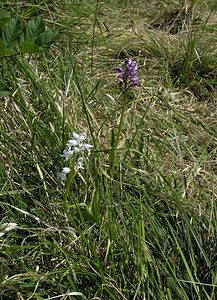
139,222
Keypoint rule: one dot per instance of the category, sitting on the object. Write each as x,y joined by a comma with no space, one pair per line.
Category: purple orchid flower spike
127,76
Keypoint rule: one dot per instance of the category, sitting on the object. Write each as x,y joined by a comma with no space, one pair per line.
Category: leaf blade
33,29
46,38
11,32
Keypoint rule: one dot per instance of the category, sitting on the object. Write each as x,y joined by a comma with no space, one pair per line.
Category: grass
139,222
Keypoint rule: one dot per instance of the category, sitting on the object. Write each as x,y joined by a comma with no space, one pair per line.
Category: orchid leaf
33,29
30,47
4,17
11,32
46,38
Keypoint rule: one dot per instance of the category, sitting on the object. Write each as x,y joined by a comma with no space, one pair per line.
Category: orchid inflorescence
75,146
127,76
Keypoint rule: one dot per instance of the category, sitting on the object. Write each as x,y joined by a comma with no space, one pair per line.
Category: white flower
75,135
72,143
66,170
80,163
79,137
76,145
62,175
67,154
77,149
88,147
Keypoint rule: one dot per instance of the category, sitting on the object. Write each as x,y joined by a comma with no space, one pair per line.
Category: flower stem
68,185
120,127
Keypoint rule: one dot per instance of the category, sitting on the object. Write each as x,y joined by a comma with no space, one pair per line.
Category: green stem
120,127
69,184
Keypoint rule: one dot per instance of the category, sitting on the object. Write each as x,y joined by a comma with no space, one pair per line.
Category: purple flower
127,76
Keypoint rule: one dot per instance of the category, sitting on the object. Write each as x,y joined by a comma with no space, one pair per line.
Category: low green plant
17,38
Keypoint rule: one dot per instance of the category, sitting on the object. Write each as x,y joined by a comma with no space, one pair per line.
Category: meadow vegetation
139,221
